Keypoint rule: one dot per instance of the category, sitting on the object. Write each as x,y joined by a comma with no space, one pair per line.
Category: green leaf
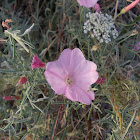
127,129
21,43
28,30
38,108
52,131
10,71
134,107
90,111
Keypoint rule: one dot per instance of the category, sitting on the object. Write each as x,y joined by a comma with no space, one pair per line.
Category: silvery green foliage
101,26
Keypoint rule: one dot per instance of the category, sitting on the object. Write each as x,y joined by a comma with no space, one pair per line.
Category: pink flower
11,98
72,76
36,62
137,47
87,3
100,80
22,80
96,7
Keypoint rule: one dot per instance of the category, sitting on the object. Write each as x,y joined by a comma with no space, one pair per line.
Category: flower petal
86,75
70,59
87,3
64,59
85,80
37,63
56,68
55,75
96,7
85,67
91,95
73,61
75,93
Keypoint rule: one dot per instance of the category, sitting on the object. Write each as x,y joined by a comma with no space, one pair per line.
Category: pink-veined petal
75,93
91,95
64,60
71,59
56,83
87,3
86,75
85,80
55,76
96,7
56,68
84,67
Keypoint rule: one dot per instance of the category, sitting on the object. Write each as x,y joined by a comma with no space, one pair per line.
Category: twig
116,7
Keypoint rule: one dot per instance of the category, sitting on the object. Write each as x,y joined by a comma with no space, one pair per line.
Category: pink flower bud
11,98
96,7
100,80
22,80
36,62
130,6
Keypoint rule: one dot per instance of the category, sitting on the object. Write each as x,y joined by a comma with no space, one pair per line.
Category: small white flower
101,40
101,26
106,41
84,27
92,35
85,31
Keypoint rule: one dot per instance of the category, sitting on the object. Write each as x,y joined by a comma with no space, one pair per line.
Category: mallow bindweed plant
56,82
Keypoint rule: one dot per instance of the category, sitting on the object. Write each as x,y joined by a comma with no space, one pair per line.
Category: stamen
69,81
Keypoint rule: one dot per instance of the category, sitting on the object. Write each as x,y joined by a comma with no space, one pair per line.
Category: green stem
117,16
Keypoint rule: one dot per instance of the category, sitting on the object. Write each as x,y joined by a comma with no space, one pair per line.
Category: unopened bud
11,98
22,80
130,6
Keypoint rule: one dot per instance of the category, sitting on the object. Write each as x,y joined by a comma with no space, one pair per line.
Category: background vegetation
43,115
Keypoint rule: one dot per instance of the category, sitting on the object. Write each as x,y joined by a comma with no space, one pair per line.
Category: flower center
69,81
